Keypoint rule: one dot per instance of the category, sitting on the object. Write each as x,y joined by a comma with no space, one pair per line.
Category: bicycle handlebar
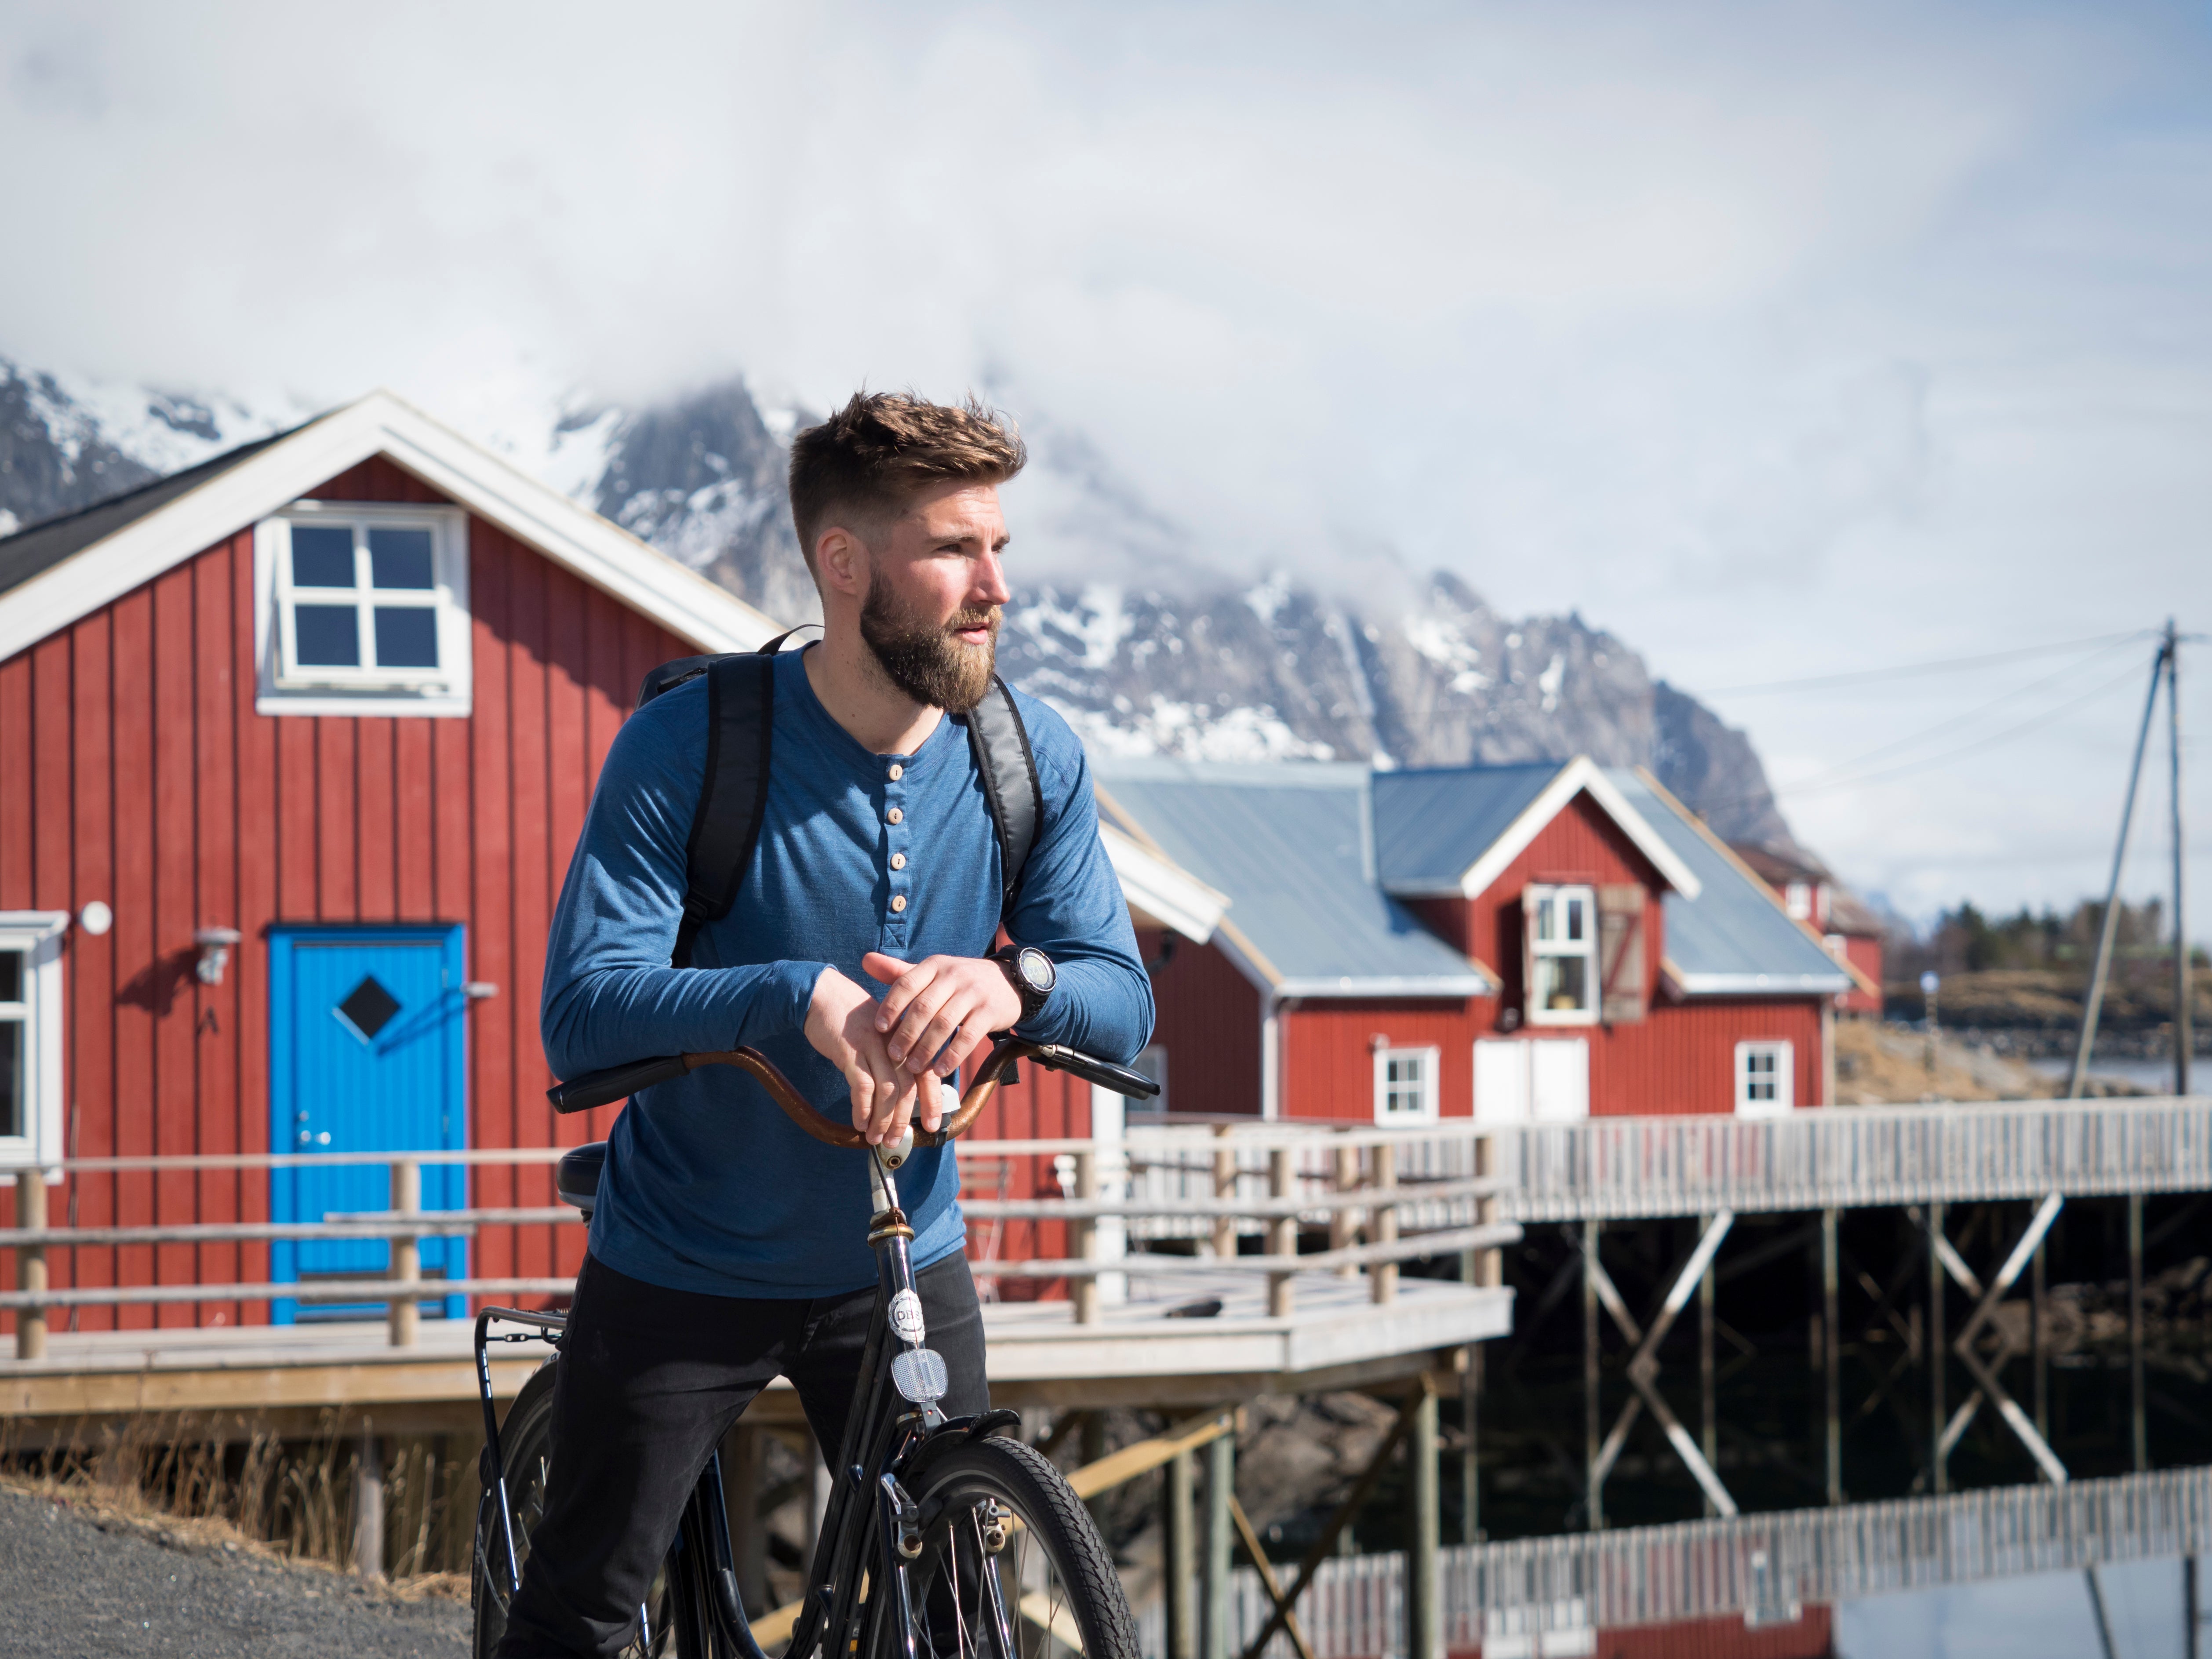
618,1082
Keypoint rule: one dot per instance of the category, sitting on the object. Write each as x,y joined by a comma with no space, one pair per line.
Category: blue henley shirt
708,1187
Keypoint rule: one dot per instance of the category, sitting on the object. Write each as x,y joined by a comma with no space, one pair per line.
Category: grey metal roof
1431,826
39,547
1733,940
1289,845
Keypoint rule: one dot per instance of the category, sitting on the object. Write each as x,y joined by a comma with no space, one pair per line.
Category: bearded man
724,1248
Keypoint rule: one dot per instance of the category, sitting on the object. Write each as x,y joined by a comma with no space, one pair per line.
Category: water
2029,1617
2155,1075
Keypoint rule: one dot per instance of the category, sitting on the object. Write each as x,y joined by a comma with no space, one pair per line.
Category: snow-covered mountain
1201,666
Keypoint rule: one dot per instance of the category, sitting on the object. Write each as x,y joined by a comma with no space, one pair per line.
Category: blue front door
365,1055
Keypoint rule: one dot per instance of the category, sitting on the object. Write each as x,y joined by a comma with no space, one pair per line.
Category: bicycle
943,1539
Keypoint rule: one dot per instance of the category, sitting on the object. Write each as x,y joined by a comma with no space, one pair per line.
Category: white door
1501,1081
1559,1079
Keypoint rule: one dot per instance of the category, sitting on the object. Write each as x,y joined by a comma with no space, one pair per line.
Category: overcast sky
1781,340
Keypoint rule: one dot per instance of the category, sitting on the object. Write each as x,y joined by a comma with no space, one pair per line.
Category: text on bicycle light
906,1317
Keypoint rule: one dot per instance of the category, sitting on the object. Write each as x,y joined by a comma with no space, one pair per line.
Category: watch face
1036,968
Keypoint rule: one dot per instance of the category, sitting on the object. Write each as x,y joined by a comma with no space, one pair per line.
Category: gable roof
1289,845
1159,890
1451,832
54,573
1735,938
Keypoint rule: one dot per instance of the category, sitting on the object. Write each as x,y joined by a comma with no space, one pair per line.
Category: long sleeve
610,995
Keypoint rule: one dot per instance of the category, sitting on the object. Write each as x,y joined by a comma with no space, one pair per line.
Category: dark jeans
650,1381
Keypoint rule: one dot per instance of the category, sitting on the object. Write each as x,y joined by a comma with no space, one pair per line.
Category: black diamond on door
368,1007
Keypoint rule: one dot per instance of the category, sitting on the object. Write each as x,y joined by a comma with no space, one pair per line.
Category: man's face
934,591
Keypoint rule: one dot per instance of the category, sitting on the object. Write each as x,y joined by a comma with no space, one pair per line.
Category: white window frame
1424,1111
38,935
1534,899
1785,1079
285,688
1798,900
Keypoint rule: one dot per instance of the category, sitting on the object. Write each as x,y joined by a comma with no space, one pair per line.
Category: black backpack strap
733,796
1001,746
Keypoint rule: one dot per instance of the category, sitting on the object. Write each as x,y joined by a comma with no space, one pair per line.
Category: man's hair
872,457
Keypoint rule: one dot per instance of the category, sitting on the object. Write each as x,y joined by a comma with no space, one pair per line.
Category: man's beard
923,658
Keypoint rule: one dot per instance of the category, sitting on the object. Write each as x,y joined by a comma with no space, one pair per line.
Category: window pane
1563,983
11,1077
1546,909
327,636
406,638
322,555
399,558
11,976
1576,926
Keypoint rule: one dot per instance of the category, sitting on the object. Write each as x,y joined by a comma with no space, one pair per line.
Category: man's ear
842,559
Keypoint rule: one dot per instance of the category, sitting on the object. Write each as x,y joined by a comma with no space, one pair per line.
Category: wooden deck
293,1376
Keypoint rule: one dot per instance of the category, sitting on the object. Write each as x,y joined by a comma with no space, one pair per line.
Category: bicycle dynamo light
918,1374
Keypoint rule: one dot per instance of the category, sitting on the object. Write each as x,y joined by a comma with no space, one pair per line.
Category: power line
1953,664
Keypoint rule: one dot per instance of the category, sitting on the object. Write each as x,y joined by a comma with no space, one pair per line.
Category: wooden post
1382,1276
369,1509
1225,1186
1218,1629
1709,1406
1344,1224
1590,1440
2039,1329
30,1263
1939,1475
1492,1269
1282,1231
1085,1291
1831,1347
1470,1452
406,1253
2135,1330
1423,1583
1179,1555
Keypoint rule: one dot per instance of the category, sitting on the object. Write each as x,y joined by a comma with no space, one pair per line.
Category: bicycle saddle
577,1176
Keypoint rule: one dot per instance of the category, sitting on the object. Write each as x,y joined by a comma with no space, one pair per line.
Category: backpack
733,798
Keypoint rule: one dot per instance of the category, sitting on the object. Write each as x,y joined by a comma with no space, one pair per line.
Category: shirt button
897,772
898,860
896,816
898,901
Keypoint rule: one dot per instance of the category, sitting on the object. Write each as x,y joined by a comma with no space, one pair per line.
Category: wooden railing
1350,1184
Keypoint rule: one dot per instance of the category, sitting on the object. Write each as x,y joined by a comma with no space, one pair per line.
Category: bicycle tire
679,1621
1055,1533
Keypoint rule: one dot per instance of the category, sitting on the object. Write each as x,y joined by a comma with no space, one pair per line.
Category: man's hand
939,1010
841,1024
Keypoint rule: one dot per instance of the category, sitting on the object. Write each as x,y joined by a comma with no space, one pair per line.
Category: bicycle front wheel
1010,1565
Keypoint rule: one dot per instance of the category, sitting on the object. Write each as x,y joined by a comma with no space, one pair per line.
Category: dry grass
227,1483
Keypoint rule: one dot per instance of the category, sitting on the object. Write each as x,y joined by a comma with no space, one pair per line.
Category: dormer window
364,609
1563,978
1797,899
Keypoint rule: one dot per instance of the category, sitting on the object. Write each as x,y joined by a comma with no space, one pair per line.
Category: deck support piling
1344,1224
1282,1231
1709,1423
1383,1225
1593,1486
1423,1583
406,1312
369,1509
1179,1555
1938,1420
2039,1339
1215,1632
748,1526
2135,1331
30,1264
1832,1350
1470,1451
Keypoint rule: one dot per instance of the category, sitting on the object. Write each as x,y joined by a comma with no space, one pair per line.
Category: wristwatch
1031,973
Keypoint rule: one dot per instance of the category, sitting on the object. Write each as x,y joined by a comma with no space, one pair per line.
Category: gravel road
71,1589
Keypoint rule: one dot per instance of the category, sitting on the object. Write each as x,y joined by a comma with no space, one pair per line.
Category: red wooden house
1523,943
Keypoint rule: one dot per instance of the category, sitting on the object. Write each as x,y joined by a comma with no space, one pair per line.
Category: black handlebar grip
1103,1073
615,1082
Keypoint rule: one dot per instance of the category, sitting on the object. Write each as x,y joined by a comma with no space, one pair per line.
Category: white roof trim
602,554
1576,775
1163,890
1469,984
1724,985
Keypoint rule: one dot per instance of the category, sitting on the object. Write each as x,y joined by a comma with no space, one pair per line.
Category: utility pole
2182,987
2093,1002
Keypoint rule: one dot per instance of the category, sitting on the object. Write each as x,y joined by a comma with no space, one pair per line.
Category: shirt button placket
900,899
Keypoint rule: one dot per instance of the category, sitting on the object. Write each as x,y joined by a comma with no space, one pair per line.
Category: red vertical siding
1043,1106
156,786
1209,1023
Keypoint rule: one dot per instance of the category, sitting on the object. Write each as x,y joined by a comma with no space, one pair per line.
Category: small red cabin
1853,932
1529,943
